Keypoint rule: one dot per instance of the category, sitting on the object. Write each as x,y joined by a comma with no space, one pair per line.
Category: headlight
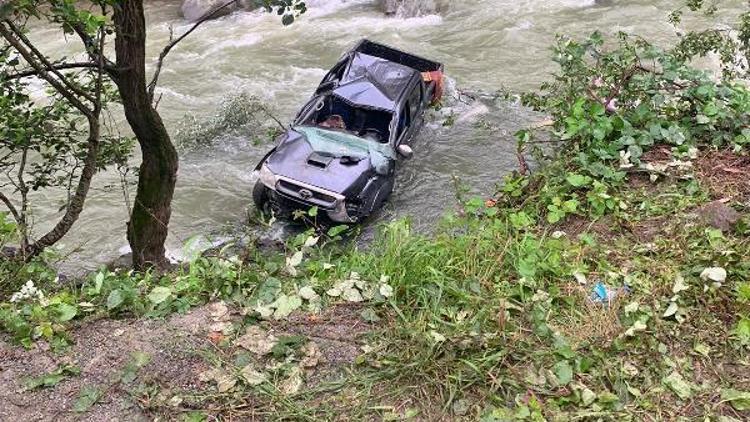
267,177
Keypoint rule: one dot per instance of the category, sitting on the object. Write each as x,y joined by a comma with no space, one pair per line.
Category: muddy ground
177,349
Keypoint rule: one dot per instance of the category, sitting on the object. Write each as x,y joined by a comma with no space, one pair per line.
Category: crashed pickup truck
341,151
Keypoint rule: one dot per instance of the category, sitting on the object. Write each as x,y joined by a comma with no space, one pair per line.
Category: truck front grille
305,194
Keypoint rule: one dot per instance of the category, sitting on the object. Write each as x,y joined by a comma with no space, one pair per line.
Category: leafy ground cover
612,283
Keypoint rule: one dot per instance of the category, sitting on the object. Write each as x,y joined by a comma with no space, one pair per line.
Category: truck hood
331,160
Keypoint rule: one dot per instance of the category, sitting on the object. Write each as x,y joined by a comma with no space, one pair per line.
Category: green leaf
140,359
285,305
159,294
711,109
474,204
570,206
520,220
287,345
88,397
295,260
137,361
743,292
555,215
740,400
563,372
578,180
51,379
588,397
678,385
598,109
599,133
703,349
267,291
743,331
114,299
98,282
337,230
563,349
66,312
369,315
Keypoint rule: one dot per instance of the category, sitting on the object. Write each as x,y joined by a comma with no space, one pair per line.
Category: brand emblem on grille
305,194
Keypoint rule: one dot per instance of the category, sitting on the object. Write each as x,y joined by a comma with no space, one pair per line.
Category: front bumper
304,195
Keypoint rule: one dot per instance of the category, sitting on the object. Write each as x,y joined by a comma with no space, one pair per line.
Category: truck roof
374,82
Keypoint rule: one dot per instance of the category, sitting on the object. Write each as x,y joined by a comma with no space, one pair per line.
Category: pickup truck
340,153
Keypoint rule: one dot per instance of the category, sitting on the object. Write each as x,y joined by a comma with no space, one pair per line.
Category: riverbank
611,282
495,316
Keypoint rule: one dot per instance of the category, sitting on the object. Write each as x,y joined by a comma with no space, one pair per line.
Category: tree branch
23,222
5,200
94,50
43,59
274,118
58,66
174,41
75,206
100,75
41,69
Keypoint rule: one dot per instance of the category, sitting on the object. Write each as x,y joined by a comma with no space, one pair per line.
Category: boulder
412,8
390,7
192,10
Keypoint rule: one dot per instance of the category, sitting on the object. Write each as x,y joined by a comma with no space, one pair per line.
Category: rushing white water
485,45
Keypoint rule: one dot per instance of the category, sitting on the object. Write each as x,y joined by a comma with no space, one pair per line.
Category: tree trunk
75,204
147,228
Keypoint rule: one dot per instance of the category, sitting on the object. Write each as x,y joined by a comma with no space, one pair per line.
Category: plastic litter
604,294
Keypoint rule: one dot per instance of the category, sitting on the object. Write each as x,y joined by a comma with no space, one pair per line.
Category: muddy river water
485,45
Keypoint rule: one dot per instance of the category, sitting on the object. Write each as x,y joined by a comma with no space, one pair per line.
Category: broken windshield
341,144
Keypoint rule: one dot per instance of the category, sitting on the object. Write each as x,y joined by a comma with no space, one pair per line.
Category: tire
384,194
260,196
381,196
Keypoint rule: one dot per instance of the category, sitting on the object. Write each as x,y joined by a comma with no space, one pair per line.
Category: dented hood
331,160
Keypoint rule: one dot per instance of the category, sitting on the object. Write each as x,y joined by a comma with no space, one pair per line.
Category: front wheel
260,196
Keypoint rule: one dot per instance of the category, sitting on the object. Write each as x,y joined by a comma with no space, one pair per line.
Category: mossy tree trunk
149,219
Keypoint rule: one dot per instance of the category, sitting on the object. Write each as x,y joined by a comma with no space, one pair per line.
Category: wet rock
9,252
269,244
193,10
412,8
123,261
718,215
390,7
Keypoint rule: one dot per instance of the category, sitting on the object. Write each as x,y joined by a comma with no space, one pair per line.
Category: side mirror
405,151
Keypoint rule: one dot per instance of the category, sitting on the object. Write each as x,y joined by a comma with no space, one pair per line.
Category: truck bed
391,54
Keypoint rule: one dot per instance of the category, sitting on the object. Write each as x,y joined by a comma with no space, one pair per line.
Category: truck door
412,115
417,105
